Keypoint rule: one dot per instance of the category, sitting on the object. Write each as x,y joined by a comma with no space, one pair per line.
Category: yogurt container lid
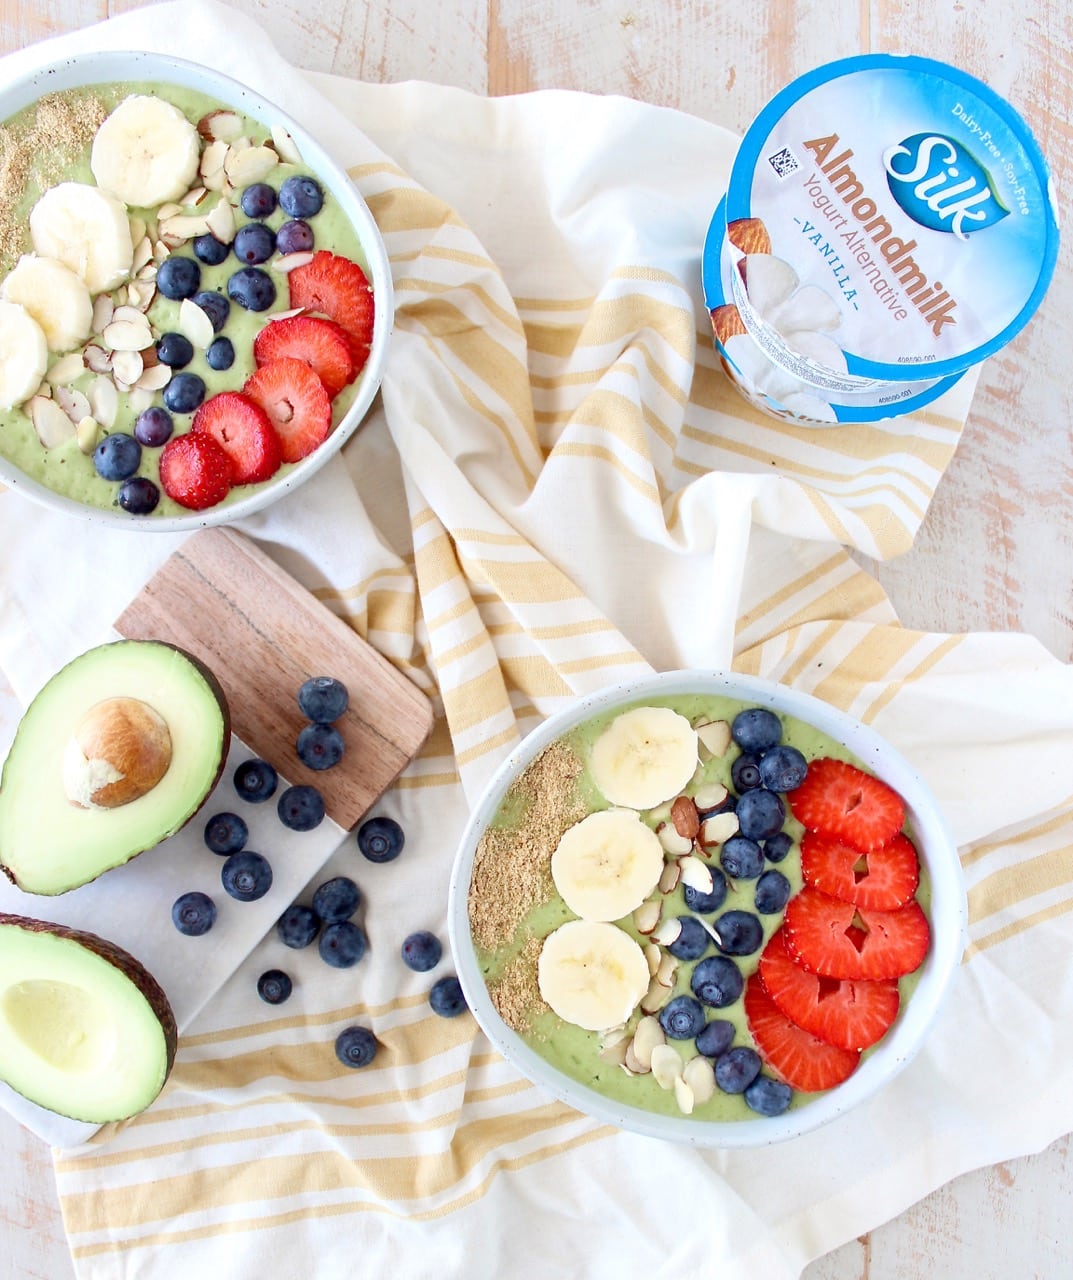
897,204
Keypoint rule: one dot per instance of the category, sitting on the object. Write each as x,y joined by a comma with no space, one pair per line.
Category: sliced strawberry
296,403
803,1060
883,879
850,1014
194,471
840,940
242,429
321,343
338,288
840,800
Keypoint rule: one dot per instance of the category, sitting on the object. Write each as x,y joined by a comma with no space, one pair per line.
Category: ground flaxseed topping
39,150
512,865
516,993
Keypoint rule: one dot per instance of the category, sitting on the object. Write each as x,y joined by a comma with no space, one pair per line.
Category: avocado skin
126,963
215,688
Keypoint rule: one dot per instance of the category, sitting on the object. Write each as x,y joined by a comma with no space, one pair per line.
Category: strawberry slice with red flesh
321,343
242,429
337,288
846,1013
296,403
842,801
803,1060
838,939
194,471
882,879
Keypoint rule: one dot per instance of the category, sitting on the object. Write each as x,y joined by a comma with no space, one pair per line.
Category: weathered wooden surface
996,549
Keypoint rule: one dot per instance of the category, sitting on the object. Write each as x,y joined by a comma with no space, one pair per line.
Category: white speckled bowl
947,915
99,68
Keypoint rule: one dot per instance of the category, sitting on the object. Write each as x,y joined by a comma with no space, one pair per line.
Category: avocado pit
120,750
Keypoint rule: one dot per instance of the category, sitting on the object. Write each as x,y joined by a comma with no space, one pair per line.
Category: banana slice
592,974
87,230
645,756
56,298
23,354
607,864
146,153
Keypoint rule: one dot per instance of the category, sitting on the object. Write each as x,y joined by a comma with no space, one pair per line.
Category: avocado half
117,752
85,1030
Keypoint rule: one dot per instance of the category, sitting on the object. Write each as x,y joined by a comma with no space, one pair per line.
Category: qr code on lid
784,162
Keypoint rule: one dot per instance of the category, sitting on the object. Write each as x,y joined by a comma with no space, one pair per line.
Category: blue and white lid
889,218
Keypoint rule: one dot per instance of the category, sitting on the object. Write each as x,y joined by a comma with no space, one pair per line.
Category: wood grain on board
262,634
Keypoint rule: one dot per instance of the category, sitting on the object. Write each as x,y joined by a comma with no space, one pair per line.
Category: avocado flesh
85,1030
48,844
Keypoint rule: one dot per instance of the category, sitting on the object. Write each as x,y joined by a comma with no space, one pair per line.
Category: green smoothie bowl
707,908
195,301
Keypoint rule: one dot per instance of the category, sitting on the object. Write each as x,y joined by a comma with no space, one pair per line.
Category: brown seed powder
516,993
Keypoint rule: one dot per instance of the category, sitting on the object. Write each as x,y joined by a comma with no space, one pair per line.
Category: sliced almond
251,164
615,1054
193,197
666,1065
285,145
699,1074
711,796
714,737
168,210
143,253
684,1096
647,1035
220,125
103,307
195,324
66,369
696,873
97,359
180,227
52,425
137,229
717,829
667,931
288,261
103,398
220,221
140,294
127,367
72,402
647,915
674,844
630,1064
668,880
155,378
128,335
668,970
88,434
653,956
655,997
211,167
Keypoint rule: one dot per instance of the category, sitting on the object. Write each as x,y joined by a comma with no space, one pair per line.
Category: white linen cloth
559,490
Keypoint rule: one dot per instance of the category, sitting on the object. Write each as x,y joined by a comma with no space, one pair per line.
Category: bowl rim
116,66
938,853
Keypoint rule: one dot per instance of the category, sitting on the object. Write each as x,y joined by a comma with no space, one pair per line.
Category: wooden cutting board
262,634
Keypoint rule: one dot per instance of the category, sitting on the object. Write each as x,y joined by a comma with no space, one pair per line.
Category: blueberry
215,306
336,899
768,1097
741,858
772,893
320,746
301,197
258,200
255,780
716,1037
295,236
301,808
421,951
705,903
184,393
153,427
682,1018
717,982
226,833
736,1069
356,1047
117,456
209,250
252,288
740,933
193,914
254,243
446,997
178,277
138,495
274,986
323,699
380,839
745,773
342,944
175,350
220,354
760,814
783,768
776,847
692,942
756,730
246,876
298,926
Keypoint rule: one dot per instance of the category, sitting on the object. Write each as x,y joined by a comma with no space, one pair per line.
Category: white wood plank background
996,549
